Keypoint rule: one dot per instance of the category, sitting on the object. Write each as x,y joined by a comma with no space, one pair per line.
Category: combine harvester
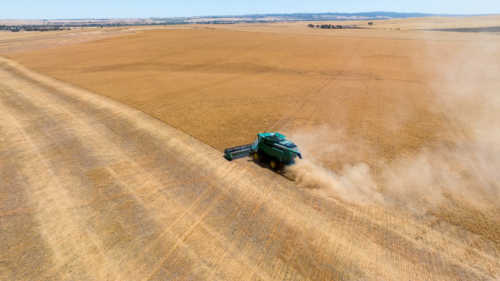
271,147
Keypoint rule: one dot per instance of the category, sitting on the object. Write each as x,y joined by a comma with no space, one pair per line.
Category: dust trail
424,180
351,181
354,185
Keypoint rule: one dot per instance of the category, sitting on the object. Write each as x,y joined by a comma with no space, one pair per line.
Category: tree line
324,26
15,28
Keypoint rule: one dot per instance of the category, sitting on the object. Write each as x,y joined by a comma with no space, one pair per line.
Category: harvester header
271,147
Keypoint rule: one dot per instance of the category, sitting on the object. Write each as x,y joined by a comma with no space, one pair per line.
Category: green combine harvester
271,147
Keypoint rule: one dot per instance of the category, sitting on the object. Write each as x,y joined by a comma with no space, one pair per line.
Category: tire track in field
285,120
326,100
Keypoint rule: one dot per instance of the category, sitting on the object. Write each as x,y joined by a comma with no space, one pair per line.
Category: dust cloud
353,185
422,181
457,170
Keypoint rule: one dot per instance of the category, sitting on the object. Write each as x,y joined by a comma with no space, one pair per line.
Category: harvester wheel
275,165
257,156
281,166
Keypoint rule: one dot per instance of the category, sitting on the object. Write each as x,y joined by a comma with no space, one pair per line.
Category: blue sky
70,9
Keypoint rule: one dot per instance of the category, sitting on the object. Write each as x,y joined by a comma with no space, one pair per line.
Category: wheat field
112,161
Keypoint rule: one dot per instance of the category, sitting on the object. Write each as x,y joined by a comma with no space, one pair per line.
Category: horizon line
271,14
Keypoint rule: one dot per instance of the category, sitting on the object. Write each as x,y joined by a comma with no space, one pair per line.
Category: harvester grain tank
270,147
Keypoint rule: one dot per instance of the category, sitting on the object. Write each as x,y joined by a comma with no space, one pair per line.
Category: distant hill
344,15
297,17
